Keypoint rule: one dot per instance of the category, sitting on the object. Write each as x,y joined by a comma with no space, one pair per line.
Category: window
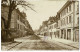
64,12
61,22
64,21
78,8
67,10
50,27
18,26
69,19
78,20
60,15
70,8
18,17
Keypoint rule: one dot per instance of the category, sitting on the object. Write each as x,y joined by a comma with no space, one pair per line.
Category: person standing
51,35
45,36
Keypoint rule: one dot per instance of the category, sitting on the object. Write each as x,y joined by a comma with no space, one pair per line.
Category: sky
44,9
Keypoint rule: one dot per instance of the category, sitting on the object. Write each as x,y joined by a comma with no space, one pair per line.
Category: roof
64,6
20,12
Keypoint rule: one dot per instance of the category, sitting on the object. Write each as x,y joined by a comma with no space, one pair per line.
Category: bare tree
12,5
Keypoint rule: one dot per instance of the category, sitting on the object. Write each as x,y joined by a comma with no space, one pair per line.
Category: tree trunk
8,24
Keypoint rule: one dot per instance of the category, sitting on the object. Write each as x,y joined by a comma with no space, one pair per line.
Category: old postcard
39,25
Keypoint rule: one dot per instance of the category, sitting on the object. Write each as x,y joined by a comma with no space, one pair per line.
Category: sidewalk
64,41
8,45
4,45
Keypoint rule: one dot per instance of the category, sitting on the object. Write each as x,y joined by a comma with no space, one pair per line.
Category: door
69,34
77,35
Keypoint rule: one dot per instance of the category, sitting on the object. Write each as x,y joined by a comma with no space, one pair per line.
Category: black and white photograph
39,25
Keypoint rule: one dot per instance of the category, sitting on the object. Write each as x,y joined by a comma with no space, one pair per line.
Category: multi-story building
52,26
58,25
52,29
18,24
69,21
44,28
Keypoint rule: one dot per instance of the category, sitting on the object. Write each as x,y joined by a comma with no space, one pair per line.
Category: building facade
68,22
52,29
17,26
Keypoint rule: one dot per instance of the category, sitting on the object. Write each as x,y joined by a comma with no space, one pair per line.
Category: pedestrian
45,36
51,35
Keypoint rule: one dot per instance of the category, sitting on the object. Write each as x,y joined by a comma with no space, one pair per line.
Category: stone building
69,21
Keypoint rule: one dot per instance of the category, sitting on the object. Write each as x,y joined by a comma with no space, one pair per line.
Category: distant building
43,29
52,29
57,26
52,26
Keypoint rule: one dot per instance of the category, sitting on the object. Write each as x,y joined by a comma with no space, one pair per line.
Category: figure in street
51,35
45,36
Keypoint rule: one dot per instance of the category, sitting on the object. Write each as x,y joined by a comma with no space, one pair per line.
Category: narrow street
38,43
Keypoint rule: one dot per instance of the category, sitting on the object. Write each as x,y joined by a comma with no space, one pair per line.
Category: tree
52,19
45,23
12,5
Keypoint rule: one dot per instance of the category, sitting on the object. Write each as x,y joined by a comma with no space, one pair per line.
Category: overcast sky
45,9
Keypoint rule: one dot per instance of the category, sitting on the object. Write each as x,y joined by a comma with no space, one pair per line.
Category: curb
69,45
14,45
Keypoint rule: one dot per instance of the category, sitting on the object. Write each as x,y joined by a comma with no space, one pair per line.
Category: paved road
35,43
